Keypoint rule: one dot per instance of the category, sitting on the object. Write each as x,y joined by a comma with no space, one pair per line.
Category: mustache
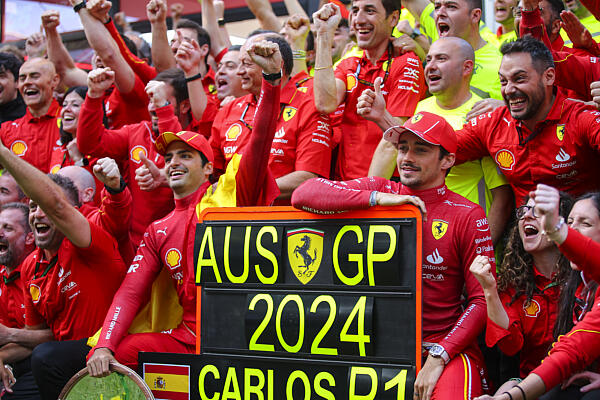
409,165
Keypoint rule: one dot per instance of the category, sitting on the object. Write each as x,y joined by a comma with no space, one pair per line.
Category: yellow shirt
485,74
473,179
507,37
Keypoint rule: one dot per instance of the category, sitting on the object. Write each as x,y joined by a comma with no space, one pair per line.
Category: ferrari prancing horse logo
305,252
439,228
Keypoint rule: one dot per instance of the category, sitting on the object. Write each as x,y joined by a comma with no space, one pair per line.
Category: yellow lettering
354,371
400,381
270,384
231,382
351,257
232,278
268,255
212,261
298,300
249,388
203,372
320,390
289,388
373,257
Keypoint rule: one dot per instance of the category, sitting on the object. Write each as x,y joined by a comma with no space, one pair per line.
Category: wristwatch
438,351
416,32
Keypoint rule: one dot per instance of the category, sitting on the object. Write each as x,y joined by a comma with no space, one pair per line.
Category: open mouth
31,92
176,173
41,228
432,78
443,28
3,248
530,230
517,103
221,82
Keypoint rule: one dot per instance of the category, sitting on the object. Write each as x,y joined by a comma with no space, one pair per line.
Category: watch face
436,350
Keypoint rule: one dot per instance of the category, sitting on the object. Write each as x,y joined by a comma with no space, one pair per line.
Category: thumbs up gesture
371,104
149,176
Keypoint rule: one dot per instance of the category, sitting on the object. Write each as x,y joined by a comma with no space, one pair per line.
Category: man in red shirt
454,233
16,242
133,144
403,79
168,242
10,192
33,136
71,278
301,148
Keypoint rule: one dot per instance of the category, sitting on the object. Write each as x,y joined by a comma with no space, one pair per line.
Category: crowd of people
494,136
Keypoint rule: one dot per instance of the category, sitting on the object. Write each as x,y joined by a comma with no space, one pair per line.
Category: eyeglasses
516,11
521,211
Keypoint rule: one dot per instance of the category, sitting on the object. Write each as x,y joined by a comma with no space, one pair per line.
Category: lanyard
386,69
51,264
11,279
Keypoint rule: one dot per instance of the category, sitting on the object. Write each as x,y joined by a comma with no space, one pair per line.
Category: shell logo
351,82
173,258
533,309
505,159
136,153
34,290
233,132
19,147
55,169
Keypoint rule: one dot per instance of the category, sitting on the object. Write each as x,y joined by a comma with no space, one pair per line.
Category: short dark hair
202,36
24,210
176,78
80,90
259,32
556,7
391,6
20,192
286,52
541,57
68,187
473,4
10,62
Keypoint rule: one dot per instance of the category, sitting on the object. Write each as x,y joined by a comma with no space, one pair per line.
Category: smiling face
419,162
227,80
8,86
585,219
249,72
9,190
15,240
184,170
45,233
524,89
530,230
70,112
503,11
371,24
37,81
445,69
454,18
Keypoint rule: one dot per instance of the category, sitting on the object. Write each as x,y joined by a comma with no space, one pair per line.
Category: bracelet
373,198
509,395
272,77
193,78
299,54
530,10
122,186
79,6
519,387
320,68
557,227
221,21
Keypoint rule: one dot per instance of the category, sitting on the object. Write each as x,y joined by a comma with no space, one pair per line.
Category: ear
448,161
468,67
394,17
29,239
184,107
476,16
88,195
208,169
204,50
556,25
549,76
55,81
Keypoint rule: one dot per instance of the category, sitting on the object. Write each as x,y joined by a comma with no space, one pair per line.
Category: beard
534,100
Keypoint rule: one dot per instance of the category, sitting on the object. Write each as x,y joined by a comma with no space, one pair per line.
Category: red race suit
455,232
561,152
168,243
33,139
404,87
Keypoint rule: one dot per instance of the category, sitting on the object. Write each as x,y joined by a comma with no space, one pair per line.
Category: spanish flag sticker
168,381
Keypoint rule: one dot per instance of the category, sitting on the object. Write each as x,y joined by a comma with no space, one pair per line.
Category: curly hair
516,270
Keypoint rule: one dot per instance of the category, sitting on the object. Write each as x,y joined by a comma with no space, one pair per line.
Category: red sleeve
167,121
205,124
472,321
94,139
588,71
215,142
471,145
140,67
313,149
137,95
403,98
323,196
582,251
593,6
533,24
341,70
219,56
255,184
133,290
574,351
114,212
510,341
32,316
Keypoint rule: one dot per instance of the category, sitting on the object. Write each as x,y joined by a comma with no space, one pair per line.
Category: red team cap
430,127
193,139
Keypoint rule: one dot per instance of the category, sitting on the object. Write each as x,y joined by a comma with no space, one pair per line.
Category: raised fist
296,29
107,172
50,19
267,56
99,80
156,10
157,92
99,9
327,19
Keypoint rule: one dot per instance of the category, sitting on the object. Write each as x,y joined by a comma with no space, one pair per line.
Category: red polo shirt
33,138
72,292
530,326
404,86
302,138
561,152
12,307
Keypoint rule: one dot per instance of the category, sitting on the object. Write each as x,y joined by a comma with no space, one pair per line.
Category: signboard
301,306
